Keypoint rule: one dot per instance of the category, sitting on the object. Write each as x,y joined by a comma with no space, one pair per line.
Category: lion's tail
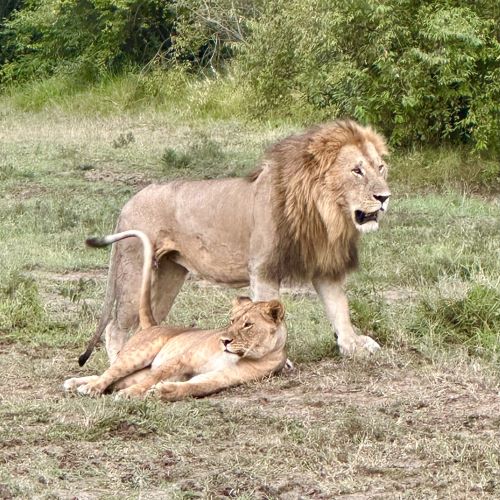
146,318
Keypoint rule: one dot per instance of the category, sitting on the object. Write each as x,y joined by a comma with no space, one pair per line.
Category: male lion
297,218
175,363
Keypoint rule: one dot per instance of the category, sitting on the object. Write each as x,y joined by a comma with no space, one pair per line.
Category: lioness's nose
381,197
226,342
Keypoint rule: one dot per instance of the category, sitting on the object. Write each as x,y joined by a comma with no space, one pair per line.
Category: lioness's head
353,172
256,328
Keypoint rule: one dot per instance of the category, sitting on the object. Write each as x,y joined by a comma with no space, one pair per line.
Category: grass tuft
201,154
472,321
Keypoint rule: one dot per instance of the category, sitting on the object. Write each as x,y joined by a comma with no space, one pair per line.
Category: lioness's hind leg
167,281
137,354
171,369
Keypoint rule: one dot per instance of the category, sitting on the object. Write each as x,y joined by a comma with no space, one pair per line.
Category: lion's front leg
337,310
143,384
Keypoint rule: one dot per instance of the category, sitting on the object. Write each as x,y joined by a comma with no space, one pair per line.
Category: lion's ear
276,311
240,301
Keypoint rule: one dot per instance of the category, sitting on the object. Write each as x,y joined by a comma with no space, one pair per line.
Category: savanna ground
419,420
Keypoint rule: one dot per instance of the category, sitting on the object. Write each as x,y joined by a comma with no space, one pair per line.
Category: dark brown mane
304,249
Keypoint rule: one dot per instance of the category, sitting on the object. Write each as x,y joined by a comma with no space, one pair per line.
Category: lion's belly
210,266
207,224
213,233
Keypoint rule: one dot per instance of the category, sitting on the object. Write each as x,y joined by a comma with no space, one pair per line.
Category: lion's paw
70,384
130,392
358,345
168,391
90,389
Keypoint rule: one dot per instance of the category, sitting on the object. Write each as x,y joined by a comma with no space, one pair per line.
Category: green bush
208,32
421,72
85,38
88,39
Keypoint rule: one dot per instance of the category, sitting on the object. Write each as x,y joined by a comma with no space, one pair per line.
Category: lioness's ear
239,301
276,310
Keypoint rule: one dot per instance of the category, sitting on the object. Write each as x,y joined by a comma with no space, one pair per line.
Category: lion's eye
381,167
357,171
247,324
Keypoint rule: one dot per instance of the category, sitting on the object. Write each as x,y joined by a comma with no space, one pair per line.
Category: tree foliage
85,38
423,72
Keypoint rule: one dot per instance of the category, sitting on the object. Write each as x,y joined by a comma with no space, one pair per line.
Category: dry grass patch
386,425
420,420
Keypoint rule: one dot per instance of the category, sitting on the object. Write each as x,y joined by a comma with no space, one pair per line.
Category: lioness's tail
146,318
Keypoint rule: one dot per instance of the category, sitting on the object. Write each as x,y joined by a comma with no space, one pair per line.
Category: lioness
175,363
298,218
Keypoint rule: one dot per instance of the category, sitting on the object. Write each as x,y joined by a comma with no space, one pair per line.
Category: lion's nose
381,197
226,342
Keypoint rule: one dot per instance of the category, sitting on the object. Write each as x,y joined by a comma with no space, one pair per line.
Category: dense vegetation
423,72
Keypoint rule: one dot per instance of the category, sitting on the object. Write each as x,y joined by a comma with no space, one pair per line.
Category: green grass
419,419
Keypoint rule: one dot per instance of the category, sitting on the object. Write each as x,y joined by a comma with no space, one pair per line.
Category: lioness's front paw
168,391
359,344
130,392
91,389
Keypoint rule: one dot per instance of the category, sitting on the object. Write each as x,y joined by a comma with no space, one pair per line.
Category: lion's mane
307,245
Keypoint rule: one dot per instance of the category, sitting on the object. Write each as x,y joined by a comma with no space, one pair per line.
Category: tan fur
174,363
295,218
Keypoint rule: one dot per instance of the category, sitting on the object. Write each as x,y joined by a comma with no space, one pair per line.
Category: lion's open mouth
364,217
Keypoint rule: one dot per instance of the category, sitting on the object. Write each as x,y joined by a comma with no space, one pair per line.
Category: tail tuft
96,242
84,357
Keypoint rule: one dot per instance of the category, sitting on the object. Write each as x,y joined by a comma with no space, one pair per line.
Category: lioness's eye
357,171
247,324
381,167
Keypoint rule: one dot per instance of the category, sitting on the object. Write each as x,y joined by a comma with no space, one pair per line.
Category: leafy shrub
422,72
7,7
208,32
85,38
90,38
